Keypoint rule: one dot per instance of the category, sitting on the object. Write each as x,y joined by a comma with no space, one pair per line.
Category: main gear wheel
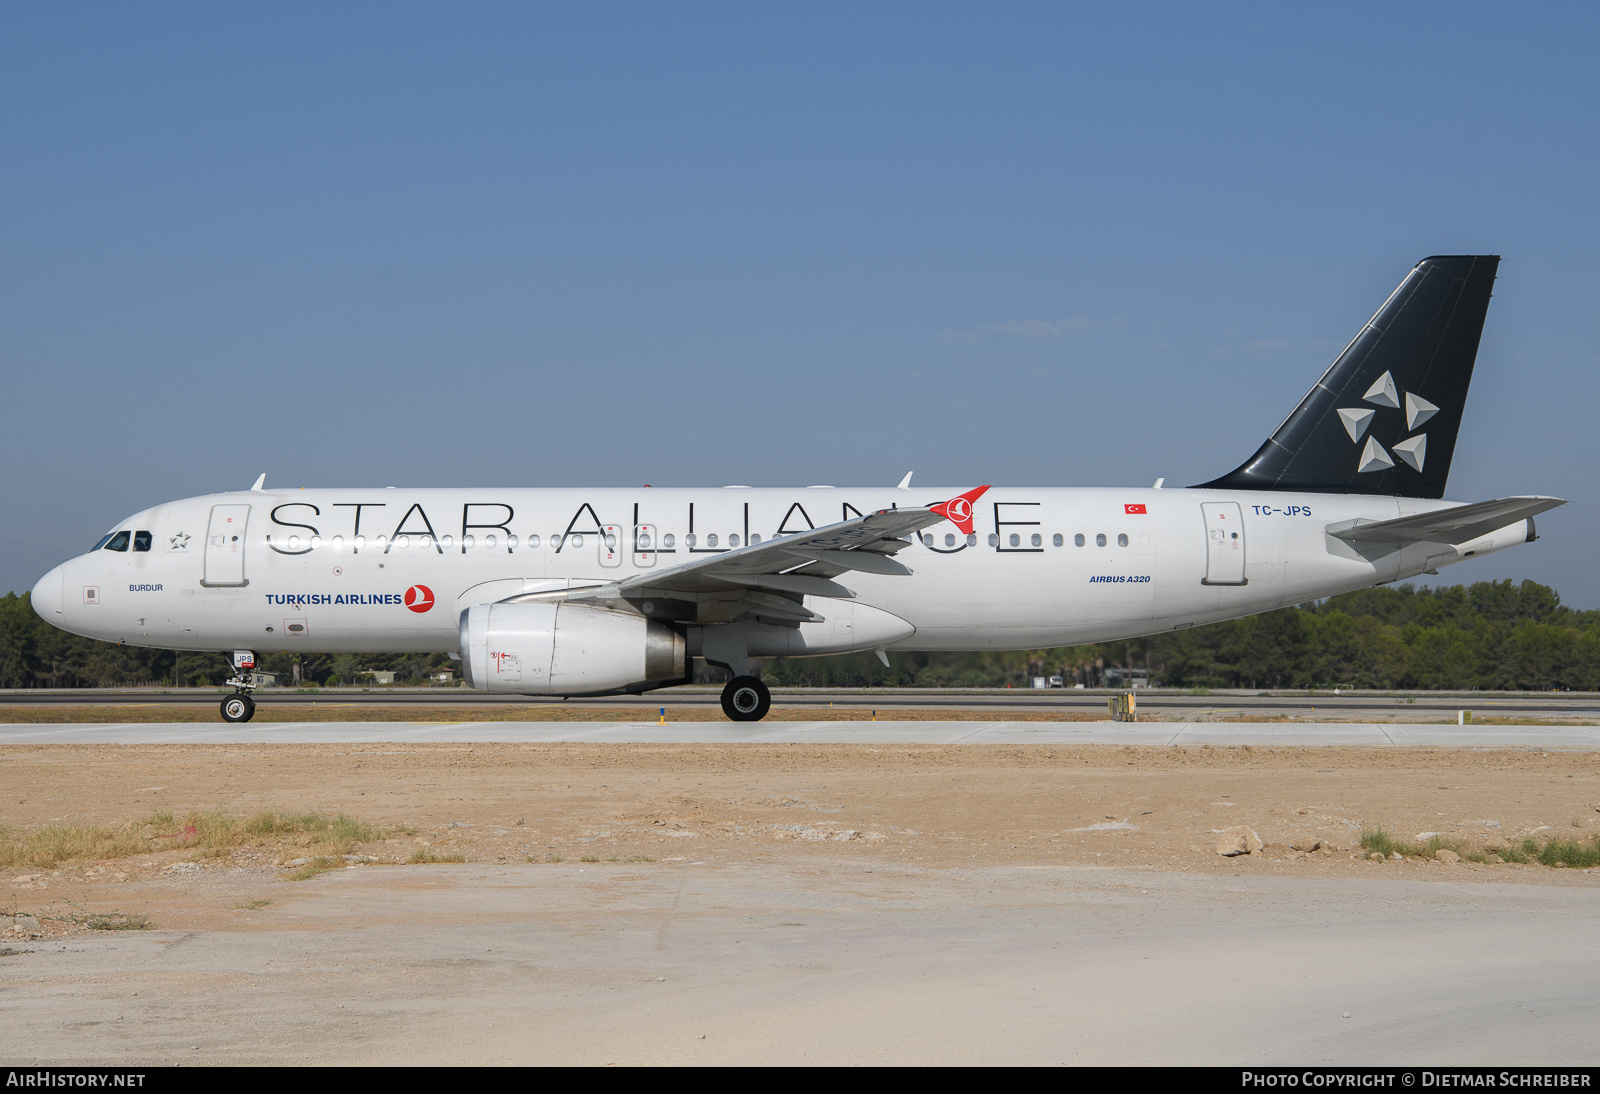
746,699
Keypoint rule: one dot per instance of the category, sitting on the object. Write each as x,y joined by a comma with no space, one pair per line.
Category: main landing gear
746,699
239,707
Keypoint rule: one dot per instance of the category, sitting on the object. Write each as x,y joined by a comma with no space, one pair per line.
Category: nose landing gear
239,707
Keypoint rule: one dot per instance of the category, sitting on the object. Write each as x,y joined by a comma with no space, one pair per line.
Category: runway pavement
703,701
1220,734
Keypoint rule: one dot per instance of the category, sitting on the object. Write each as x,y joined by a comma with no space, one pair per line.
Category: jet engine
567,649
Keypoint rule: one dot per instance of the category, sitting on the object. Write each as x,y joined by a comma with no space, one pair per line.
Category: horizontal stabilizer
1454,526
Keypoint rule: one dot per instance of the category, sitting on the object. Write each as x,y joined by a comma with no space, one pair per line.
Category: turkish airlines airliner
587,592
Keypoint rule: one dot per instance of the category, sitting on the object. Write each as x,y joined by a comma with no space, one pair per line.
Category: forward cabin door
225,539
1224,543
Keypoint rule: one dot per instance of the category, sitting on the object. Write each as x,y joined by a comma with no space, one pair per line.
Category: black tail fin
1383,419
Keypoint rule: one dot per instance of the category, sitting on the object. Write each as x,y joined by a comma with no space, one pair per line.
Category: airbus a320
576,592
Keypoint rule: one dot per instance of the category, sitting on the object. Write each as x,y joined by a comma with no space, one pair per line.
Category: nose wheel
239,707
746,699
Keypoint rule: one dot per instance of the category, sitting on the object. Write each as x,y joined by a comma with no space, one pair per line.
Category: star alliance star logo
179,542
1413,450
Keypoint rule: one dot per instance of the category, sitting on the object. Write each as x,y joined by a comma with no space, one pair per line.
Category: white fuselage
332,570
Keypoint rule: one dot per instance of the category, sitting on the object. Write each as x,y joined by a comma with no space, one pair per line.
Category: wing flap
804,584
866,561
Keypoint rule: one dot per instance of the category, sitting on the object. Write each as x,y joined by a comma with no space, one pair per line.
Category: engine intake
567,649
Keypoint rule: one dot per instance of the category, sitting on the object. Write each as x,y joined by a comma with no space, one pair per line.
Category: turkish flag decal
1131,509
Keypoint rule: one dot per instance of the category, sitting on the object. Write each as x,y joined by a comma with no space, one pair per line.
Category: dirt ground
635,805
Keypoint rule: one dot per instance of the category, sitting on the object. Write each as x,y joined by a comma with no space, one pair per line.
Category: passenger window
533,540
555,541
1100,540
141,541
467,543
733,541
667,540
511,541
949,541
711,540
972,539
754,539
644,541
119,542
611,543
689,540
1038,540
994,540
1122,540
927,540
1078,539
444,541
1056,539
1016,540
105,539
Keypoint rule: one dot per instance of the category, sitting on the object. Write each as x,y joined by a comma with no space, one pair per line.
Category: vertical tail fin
1383,419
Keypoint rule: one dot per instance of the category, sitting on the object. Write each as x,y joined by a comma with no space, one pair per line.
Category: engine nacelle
567,649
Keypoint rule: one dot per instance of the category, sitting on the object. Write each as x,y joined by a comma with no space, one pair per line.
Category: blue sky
372,244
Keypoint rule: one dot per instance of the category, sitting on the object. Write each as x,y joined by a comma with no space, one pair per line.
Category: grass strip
423,856
211,834
1560,853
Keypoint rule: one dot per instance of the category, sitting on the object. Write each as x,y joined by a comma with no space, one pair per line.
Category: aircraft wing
772,579
1453,526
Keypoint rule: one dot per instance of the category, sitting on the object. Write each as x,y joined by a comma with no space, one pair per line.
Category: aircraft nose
48,597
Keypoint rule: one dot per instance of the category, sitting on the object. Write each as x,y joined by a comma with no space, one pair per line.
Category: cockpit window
119,542
105,539
141,540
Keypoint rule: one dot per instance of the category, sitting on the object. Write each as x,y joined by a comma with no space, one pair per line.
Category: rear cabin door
225,539
1224,543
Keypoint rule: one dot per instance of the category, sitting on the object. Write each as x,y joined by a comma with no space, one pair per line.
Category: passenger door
225,540
1224,543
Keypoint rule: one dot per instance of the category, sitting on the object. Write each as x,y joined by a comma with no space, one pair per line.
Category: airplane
571,592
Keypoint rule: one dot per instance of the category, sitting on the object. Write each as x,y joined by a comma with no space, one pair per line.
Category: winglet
261,483
905,483
958,510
